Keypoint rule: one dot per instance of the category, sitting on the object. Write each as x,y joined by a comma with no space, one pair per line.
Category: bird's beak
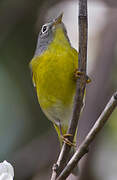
58,20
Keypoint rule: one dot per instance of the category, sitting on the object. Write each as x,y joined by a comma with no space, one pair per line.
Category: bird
54,70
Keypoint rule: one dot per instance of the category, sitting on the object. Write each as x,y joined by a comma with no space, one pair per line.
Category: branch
82,63
82,150
80,88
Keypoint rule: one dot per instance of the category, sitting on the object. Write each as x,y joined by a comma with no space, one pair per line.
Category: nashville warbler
53,72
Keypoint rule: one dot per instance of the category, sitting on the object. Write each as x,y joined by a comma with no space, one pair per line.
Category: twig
82,150
80,88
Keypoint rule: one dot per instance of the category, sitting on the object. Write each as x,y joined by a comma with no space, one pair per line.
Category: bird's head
48,33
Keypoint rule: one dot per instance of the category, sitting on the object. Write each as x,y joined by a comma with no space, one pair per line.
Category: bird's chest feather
54,77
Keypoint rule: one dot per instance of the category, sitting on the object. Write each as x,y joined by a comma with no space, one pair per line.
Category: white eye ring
44,29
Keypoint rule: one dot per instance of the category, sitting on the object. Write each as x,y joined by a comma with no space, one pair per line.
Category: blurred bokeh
27,139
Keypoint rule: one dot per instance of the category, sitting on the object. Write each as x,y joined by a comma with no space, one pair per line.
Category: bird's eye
44,29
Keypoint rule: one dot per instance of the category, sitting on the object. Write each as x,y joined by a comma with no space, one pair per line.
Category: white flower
6,171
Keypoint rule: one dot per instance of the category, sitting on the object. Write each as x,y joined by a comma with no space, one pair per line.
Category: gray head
47,33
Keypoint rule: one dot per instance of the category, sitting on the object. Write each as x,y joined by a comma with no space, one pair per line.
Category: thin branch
80,88
82,64
82,150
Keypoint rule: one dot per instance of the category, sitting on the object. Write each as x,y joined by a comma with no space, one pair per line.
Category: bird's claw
67,141
88,79
78,74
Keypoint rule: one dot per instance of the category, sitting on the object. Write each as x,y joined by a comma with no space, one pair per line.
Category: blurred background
27,139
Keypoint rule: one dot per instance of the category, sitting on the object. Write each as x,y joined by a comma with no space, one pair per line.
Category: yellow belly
53,75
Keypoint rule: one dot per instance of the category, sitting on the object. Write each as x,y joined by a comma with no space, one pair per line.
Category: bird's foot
78,74
88,79
67,141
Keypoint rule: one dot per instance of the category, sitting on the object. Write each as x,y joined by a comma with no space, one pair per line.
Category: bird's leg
65,137
78,74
